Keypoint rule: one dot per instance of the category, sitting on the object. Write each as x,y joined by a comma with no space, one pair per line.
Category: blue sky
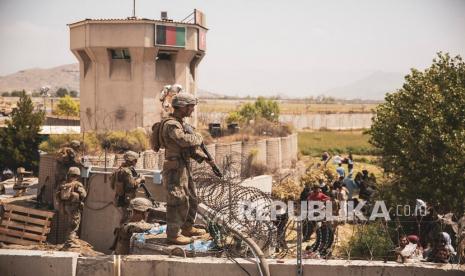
257,46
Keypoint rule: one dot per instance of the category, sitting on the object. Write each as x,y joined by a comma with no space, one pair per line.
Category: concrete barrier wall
273,153
286,151
47,177
33,262
150,160
143,265
294,147
100,216
261,151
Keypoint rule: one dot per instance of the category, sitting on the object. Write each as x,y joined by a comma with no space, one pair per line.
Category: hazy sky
255,46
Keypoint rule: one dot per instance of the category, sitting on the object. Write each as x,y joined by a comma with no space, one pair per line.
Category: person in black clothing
307,226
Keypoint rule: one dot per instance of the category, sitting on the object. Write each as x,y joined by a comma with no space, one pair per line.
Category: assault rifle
189,129
142,185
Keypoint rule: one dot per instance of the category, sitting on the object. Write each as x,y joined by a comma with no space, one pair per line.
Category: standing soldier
180,146
71,195
67,157
139,208
125,182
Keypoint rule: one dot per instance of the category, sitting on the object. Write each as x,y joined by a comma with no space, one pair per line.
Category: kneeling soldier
139,208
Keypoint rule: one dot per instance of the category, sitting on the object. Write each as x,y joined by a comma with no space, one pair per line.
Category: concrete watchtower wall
123,68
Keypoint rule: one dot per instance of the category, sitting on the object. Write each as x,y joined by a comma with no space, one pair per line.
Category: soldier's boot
179,240
192,231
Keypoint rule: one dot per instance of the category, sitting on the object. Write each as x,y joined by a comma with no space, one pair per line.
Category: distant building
124,64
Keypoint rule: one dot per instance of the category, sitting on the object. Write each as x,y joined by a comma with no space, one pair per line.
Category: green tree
5,94
268,109
61,92
73,93
420,131
19,141
248,112
67,107
17,93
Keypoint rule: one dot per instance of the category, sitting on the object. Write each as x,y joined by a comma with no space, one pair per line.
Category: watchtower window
120,53
164,56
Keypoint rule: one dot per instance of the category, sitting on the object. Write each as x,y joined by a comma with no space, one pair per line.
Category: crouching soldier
139,208
125,181
71,195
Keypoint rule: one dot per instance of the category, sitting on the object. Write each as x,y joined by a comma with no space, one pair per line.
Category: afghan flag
171,35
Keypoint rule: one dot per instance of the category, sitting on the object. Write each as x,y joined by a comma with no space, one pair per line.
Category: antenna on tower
134,9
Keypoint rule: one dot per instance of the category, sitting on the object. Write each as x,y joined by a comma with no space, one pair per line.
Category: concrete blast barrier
100,216
273,153
286,151
221,151
236,156
261,151
33,262
150,160
47,177
161,158
294,147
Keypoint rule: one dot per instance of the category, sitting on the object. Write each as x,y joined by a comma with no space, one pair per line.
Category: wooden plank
21,234
21,225
17,208
7,239
27,219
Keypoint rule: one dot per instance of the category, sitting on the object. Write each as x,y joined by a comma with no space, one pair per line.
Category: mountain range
372,87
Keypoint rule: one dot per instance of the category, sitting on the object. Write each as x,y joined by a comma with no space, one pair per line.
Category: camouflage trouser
125,205
73,217
181,199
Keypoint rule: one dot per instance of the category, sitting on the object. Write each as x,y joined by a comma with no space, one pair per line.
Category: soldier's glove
74,197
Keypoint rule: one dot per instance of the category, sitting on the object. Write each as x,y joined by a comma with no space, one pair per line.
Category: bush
370,241
67,107
5,94
61,92
56,141
121,141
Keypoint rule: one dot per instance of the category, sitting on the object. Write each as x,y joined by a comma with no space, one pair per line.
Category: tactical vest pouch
156,138
65,192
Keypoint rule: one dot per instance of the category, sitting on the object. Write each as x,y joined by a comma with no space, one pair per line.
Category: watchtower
124,64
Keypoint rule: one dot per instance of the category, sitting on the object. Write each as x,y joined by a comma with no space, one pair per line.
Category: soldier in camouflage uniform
71,194
139,208
67,157
180,146
125,181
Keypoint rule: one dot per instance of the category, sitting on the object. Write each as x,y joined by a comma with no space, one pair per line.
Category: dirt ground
84,249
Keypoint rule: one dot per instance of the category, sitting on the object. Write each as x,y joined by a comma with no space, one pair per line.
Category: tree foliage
261,108
67,107
61,92
19,141
420,131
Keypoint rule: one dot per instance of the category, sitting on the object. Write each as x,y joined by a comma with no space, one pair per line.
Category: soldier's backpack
156,138
116,184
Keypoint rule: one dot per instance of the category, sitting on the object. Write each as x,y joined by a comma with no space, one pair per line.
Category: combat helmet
140,204
130,156
75,144
74,171
182,99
